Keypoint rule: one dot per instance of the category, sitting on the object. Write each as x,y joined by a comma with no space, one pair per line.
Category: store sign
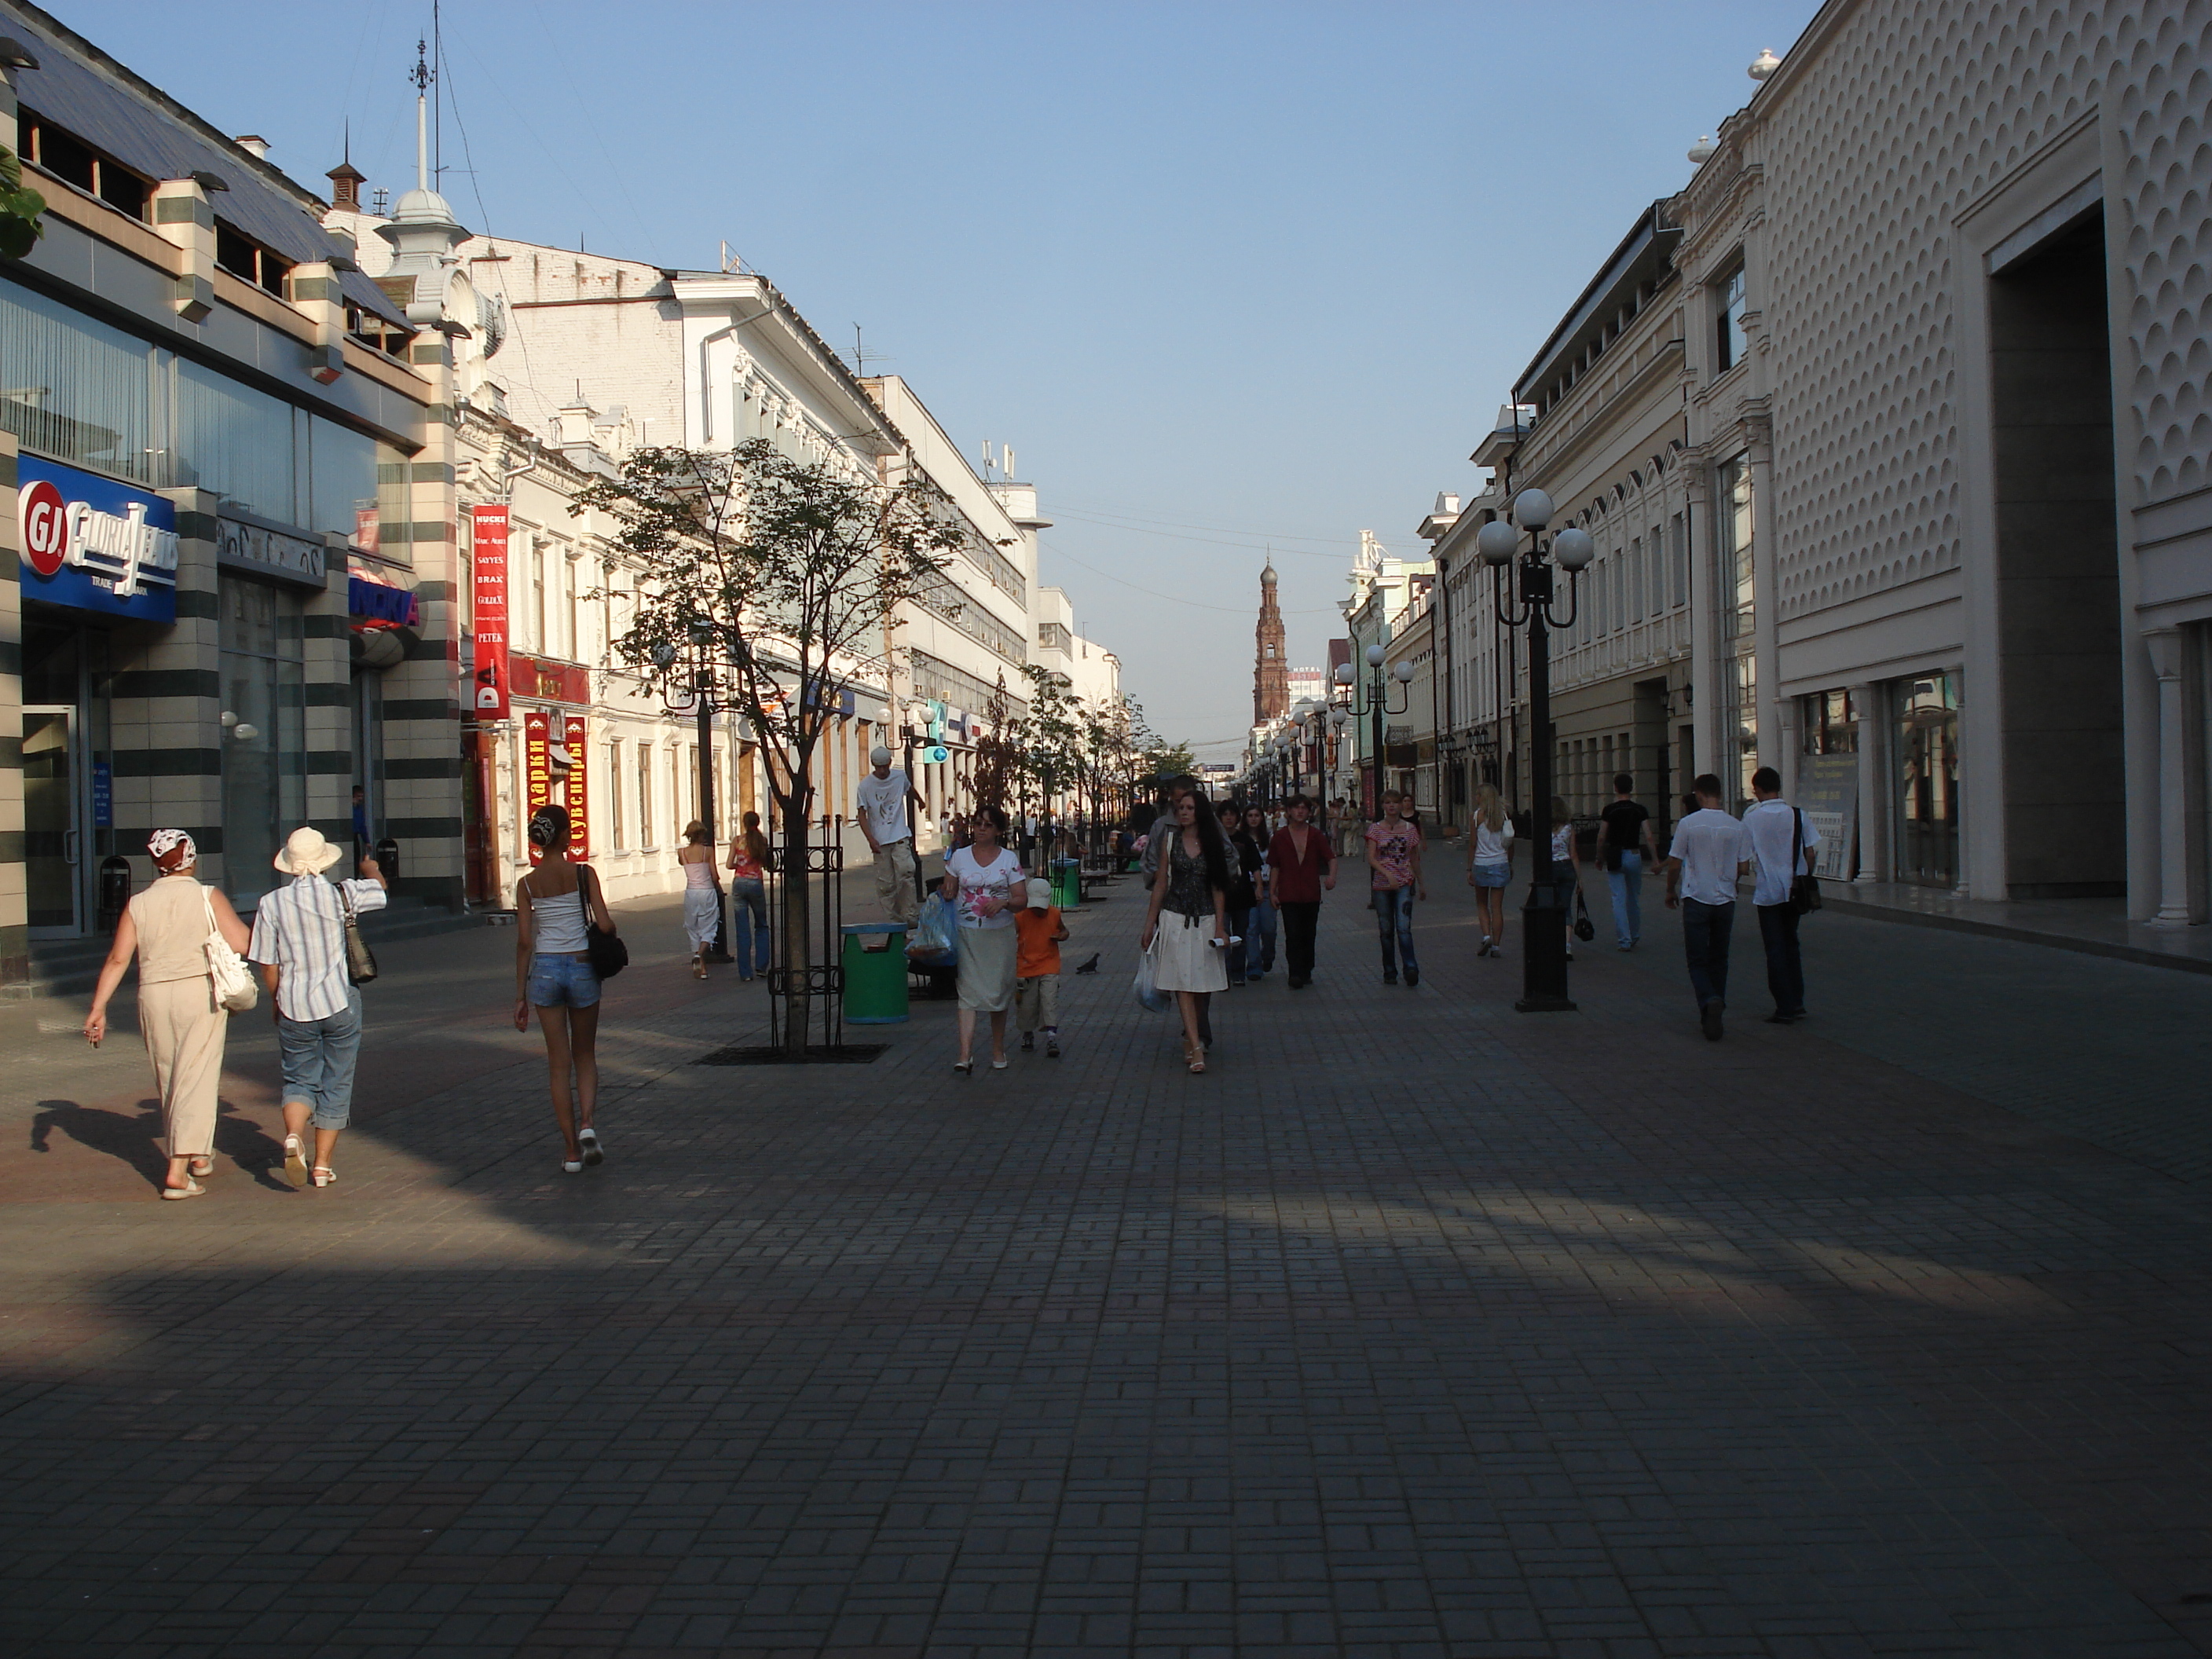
373,604
577,791
490,677
550,681
94,544
536,773
267,552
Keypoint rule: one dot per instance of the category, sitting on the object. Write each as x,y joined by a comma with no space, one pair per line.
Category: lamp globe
1532,510
1498,542
1573,549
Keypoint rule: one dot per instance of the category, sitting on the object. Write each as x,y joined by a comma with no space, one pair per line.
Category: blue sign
936,755
377,601
93,544
103,795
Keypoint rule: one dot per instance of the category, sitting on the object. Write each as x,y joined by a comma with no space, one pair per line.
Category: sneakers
1413,977
1483,950
588,1138
1051,1046
1028,1041
1709,1018
1778,1017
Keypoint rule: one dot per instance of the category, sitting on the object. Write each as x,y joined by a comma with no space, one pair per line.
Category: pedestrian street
1415,1325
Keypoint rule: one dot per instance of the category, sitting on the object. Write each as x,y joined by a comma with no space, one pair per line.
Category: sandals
323,1176
965,1067
199,1166
998,1062
191,1189
698,967
1194,1057
296,1161
589,1140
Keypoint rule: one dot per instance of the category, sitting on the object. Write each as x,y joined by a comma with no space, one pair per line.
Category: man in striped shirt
299,940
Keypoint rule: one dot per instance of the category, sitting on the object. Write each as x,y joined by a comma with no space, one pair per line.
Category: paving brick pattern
1416,1327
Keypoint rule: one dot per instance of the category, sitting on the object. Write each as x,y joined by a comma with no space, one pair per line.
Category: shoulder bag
1585,929
360,960
235,990
1804,889
608,955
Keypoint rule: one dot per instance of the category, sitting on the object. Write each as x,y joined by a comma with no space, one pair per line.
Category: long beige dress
185,1025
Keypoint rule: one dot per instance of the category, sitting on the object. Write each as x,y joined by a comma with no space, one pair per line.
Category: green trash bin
1067,883
875,972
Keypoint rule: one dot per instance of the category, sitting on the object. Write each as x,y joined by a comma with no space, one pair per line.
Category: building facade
228,605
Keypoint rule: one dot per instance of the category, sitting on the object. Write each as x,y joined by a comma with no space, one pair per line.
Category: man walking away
1776,827
1394,853
299,940
1709,851
1624,836
883,795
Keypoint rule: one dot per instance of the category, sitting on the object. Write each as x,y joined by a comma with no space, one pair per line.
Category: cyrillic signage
94,544
490,688
536,773
577,792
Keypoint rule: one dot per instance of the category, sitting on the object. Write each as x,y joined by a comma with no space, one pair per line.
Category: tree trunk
794,947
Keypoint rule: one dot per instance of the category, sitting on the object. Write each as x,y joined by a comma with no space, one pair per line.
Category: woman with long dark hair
749,856
983,880
1246,861
553,906
1188,924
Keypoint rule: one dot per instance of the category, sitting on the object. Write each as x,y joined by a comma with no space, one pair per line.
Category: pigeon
1091,966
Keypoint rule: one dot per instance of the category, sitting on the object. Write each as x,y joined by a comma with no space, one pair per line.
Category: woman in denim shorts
553,974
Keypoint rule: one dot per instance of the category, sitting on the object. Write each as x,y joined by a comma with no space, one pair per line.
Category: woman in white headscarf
166,926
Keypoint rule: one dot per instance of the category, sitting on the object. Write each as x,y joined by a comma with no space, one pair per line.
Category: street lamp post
703,687
1522,592
1377,701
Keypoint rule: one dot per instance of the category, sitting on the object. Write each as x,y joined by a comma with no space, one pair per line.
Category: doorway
2058,597
53,821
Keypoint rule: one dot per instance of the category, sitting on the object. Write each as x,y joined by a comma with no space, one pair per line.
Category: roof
84,91
1643,254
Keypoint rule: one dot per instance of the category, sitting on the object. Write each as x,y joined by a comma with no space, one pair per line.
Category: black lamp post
1377,703
1521,589
701,635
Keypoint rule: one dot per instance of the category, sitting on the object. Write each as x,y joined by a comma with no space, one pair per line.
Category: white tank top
558,925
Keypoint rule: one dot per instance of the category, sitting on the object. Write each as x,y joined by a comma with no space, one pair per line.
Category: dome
422,207
1267,577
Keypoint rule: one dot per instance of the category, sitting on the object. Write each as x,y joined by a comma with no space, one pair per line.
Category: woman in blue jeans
749,856
553,974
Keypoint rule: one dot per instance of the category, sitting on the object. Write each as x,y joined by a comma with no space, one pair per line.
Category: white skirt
987,969
1185,958
703,912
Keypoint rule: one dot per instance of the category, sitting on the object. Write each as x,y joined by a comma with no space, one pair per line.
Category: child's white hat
1040,893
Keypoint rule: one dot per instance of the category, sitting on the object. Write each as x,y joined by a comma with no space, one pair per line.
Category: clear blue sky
1240,273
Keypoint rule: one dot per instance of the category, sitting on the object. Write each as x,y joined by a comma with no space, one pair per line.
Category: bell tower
1271,674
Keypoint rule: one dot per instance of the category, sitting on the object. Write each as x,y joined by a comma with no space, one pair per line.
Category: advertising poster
537,771
1828,795
579,791
491,685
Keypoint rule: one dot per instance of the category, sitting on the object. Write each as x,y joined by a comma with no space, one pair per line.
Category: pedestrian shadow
136,1140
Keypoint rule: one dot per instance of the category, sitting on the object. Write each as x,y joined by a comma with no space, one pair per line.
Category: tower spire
1270,673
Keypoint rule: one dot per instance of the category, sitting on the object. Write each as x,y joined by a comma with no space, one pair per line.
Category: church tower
1271,674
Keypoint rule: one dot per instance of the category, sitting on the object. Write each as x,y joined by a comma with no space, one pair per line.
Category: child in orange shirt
1038,931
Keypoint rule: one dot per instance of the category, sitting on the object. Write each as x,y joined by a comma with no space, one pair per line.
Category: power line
1174,598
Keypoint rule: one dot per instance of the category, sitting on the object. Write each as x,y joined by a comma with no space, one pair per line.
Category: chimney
254,145
346,180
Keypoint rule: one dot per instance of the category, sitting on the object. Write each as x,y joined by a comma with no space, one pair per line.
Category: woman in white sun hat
299,940
184,1025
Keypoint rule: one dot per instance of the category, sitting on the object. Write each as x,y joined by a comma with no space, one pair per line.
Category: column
1868,700
1765,652
2174,795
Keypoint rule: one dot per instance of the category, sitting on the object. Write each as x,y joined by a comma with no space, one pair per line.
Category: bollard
387,860
114,891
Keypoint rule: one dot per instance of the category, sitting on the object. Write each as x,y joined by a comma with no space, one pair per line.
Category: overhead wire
1172,598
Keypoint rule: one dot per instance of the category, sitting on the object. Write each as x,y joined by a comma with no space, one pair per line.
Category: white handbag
233,980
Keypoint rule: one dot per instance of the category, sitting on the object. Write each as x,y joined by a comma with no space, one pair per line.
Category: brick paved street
1416,1327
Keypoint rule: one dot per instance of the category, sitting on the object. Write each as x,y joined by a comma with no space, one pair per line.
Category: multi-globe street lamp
1377,703
704,685
1522,591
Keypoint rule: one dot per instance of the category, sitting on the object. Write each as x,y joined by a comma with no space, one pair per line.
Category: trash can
875,972
1067,883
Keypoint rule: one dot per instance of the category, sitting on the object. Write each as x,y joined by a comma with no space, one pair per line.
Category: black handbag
608,955
1804,889
1585,929
360,960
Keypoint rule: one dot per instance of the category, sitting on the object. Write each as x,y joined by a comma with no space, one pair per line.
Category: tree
19,208
1051,734
779,573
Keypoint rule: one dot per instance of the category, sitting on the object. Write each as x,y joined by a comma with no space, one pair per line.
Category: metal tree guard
824,977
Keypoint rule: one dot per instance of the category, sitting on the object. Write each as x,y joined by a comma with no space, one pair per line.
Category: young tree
1051,734
769,578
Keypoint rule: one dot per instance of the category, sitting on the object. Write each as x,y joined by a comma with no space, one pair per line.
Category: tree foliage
20,209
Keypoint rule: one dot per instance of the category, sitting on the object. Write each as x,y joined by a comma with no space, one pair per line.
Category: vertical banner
578,790
537,771
490,540
1828,795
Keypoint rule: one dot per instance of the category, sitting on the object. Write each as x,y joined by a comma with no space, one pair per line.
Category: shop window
1737,553
239,443
1727,320
75,389
1927,780
1830,723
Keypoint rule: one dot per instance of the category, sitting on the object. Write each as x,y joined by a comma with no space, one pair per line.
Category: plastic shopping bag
935,940
1149,997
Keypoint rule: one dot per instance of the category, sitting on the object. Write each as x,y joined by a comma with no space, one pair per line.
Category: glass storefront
1927,780
68,771
264,679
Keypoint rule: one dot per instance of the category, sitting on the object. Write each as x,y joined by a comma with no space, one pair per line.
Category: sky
1228,277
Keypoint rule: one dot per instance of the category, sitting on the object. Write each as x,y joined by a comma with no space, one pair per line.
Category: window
262,680
76,389
74,162
1727,320
241,255
571,628
615,792
1678,562
644,794
1733,497
537,642
239,443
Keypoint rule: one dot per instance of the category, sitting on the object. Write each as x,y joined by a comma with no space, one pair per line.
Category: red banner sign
549,682
490,702
537,772
578,790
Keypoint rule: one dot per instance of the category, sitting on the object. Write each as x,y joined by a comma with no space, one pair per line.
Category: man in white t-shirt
882,797
1708,852
1774,827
